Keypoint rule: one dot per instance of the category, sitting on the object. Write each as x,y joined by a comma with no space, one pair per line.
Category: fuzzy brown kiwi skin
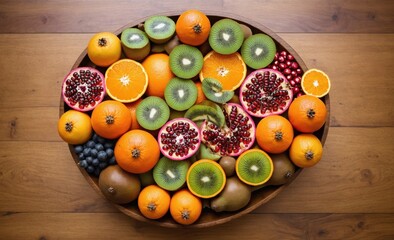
228,165
171,44
246,30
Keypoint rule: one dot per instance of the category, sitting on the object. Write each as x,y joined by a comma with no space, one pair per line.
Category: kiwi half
152,113
205,178
213,90
258,51
254,167
160,29
186,61
135,43
170,174
199,113
180,94
226,36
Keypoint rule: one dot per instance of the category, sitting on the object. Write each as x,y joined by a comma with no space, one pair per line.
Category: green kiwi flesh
213,90
205,179
170,174
180,94
159,28
152,113
200,113
258,51
254,167
135,43
186,61
226,36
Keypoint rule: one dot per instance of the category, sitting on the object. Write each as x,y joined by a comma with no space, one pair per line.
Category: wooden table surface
348,195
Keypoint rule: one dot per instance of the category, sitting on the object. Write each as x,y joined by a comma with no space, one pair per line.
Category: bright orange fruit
157,67
316,83
126,80
229,70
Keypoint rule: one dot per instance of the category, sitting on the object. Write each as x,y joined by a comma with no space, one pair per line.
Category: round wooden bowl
208,217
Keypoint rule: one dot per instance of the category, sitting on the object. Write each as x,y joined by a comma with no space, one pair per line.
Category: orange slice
315,82
126,80
230,69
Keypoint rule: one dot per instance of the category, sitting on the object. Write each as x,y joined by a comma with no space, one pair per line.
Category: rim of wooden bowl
260,196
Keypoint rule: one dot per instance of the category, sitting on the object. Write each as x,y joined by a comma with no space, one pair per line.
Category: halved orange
126,80
205,178
229,70
315,82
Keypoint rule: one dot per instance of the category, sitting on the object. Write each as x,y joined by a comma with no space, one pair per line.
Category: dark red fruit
179,139
237,135
285,63
265,92
83,88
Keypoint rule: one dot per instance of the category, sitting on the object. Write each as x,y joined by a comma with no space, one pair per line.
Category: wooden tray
208,217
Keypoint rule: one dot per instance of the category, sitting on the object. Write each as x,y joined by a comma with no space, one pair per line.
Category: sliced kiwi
199,113
258,51
160,29
205,152
226,36
135,43
213,90
180,94
186,61
254,167
152,113
170,174
205,178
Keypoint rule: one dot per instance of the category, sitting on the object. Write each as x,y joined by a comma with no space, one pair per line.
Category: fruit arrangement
183,119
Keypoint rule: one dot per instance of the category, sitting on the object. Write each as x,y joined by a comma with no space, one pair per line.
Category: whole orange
157,66
307,113
74,127
104,48
110,119
306,150
192,27
154,202
274,134
185,208
132,107
137,151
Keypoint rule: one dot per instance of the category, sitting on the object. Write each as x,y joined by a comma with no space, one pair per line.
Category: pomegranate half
237,135
179,139
83,88
265,92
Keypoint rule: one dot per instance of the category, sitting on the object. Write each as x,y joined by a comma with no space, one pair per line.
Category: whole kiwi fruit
228,165
234,196
283,169
118,185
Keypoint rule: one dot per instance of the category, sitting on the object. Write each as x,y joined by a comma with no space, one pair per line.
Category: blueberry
78,149
109,145
95,137
112,161
101,140
102,156
99,147
83,164
102,165
81,156
109,152
89,160
86,152
97,172
95,162
90,144
93,152
90,169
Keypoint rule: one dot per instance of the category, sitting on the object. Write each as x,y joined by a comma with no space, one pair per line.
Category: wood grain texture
281,16
252,226
356,86
357,170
